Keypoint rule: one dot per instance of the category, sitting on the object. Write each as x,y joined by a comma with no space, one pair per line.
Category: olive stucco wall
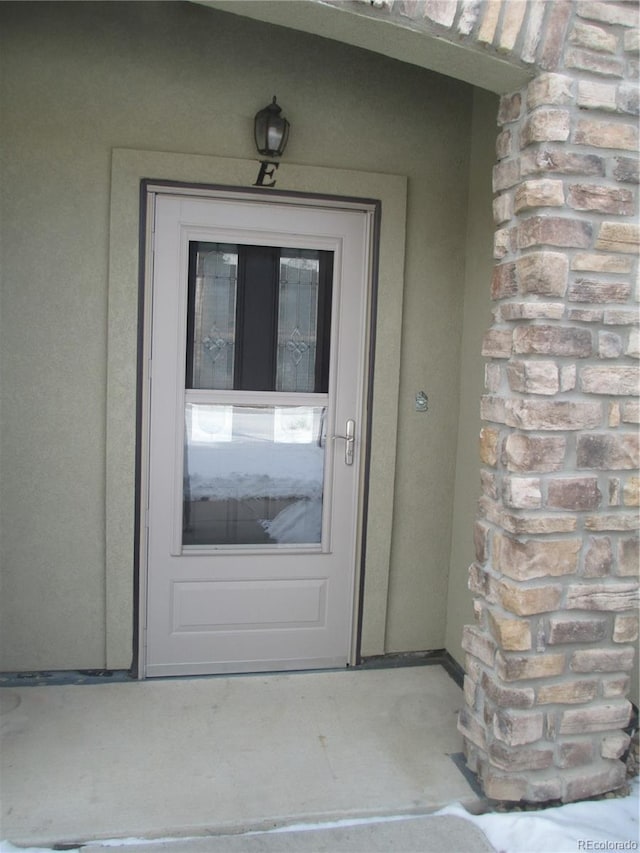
476,320
80,80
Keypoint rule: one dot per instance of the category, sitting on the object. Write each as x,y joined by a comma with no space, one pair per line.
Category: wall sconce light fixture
271,130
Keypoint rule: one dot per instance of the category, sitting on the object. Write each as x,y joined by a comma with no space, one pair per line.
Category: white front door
255,425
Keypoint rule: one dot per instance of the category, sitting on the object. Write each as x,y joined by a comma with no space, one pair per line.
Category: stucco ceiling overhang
364,26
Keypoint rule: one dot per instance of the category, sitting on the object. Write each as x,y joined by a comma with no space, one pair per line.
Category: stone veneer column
555,576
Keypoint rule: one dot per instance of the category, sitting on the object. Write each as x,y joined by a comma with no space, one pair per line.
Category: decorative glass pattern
213,315
297,320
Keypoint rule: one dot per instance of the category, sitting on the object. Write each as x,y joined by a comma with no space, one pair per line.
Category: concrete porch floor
189,757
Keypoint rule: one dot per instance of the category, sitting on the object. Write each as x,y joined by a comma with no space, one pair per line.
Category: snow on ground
595,825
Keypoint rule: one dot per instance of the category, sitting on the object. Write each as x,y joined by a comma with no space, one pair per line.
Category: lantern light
271,130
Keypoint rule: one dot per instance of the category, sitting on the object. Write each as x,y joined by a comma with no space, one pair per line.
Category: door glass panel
258,318
297,320
211,329
253,475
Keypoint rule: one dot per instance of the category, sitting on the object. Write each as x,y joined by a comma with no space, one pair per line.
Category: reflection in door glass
297,320
258,318
253,475
212,315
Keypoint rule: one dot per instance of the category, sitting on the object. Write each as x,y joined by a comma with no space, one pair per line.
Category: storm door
258,333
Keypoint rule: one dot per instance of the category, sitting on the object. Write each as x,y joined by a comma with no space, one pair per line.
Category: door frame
149,190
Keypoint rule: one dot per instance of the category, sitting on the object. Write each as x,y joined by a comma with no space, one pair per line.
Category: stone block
535,524
614,687
441,12
552,414
606,134
633,344
470,688
609,346
594,63
507,696
478,643
628,557
492,377
510,634
524,560
503,242
489,446
510,108
543,273
603,660
618,237
512,19
596,718
524,453
568,373
487,30
481,534
470,727
574,753
611,596
597,96
497,343
516,728
522,492
544,192
549,159
614,746
611,379
505,787
595,262
620,317
548,89
534,377
512,667
505,175
532,311
503,281
631,412
584,290
625,628
631,492
631,41
554,35
519,759
543,789
567,629
574,493
620,521
598,560
502,208
591,781
593,38
626,170
536,10
614,419
567,693
567,341
628,98
586,315
609,13
608,452
493,408
608,200
555,231
527,601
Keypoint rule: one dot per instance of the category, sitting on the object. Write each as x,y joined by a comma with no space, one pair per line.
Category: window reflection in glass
253,475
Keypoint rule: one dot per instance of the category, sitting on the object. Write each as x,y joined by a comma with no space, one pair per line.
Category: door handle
350,439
